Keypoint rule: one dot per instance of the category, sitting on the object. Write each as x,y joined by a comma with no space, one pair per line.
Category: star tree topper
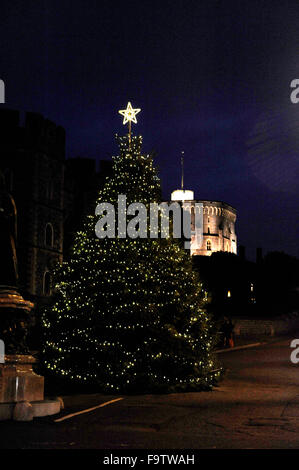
129,114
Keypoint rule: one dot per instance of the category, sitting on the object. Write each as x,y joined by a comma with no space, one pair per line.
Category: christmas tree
127,314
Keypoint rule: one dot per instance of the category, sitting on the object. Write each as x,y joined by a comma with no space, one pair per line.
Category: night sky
212,78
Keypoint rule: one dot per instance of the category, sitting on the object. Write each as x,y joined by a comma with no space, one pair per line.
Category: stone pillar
18,382
21,389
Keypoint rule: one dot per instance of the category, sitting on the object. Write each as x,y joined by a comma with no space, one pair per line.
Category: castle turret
212,222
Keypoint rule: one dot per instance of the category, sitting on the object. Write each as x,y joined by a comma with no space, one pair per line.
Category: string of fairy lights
129,310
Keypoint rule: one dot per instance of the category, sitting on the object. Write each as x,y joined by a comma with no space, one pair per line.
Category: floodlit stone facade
216,227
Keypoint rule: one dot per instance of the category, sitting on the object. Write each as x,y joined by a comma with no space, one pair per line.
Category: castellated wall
218,228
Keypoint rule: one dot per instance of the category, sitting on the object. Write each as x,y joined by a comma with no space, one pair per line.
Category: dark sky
212,78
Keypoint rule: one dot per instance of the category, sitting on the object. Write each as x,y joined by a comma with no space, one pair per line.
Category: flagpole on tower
182,165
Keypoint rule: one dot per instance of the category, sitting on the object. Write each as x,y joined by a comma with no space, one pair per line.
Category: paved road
256,406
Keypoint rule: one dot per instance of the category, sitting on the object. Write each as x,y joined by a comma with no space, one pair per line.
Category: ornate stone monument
21,389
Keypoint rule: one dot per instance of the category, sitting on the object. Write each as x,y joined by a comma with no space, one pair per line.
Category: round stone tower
216,228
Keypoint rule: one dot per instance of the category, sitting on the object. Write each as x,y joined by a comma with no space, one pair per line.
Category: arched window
47,283
209,245
49,235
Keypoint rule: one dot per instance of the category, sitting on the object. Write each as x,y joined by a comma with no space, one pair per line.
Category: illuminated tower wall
219,220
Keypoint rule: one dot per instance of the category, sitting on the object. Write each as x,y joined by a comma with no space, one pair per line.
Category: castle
218,224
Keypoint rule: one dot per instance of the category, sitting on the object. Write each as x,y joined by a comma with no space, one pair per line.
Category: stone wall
218,228
255,327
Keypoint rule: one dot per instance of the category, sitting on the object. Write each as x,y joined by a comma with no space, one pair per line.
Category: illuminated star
129,114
